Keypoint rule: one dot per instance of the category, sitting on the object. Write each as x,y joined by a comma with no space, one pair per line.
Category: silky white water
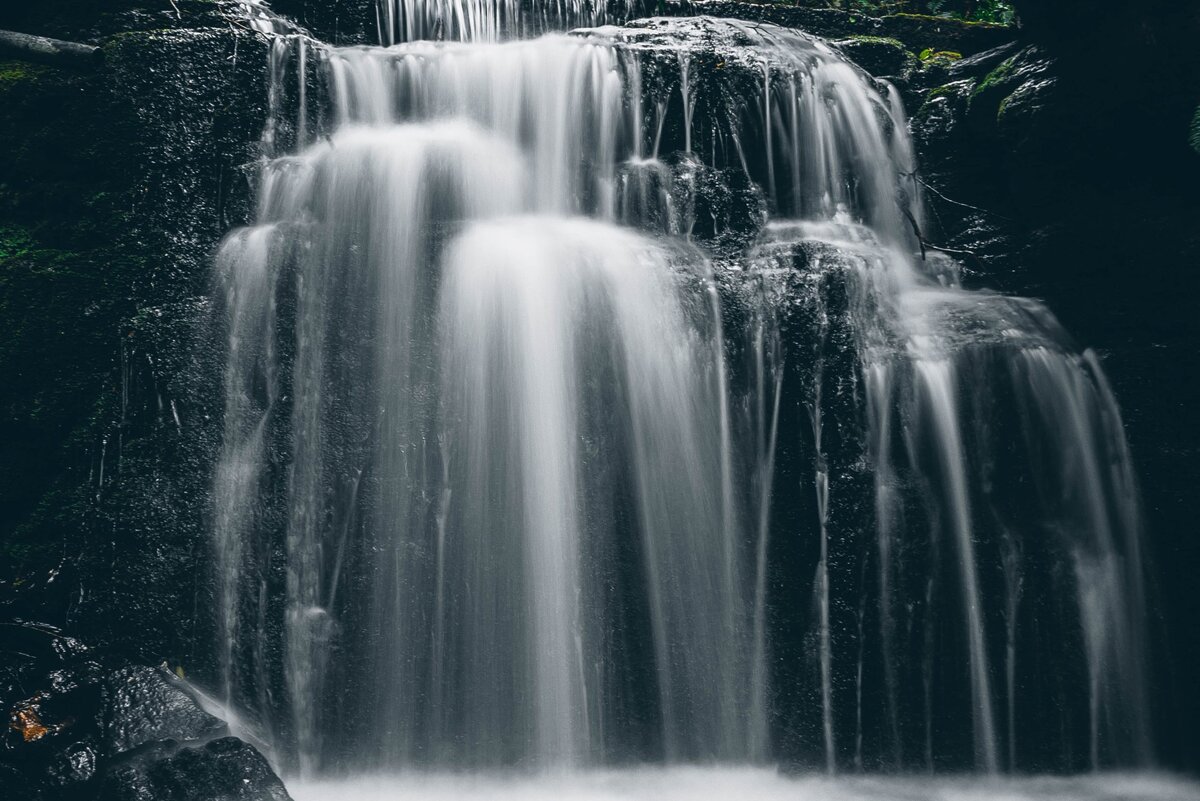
589,401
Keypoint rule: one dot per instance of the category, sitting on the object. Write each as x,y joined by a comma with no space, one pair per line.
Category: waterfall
483,20
575,376
589,402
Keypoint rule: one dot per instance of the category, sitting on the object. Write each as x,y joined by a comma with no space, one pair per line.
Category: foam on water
737,783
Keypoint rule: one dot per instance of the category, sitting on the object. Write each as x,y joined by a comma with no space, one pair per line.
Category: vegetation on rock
994,11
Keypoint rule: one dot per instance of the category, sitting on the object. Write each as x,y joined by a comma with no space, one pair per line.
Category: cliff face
1077,146
1060,165
115,186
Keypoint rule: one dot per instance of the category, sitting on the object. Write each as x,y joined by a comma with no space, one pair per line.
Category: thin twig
926,245
953,202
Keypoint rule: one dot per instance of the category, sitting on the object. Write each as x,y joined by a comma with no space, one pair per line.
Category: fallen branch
954,202
54,52
926,245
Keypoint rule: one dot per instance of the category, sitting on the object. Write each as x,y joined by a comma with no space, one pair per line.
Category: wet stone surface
84,725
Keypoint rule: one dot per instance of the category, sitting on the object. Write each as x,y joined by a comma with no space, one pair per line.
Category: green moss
929,54
14,242
14,73
953,94
878,40
1003,107
942,91
928,18
996,77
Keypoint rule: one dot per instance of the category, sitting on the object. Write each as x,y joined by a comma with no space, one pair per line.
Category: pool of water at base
744,784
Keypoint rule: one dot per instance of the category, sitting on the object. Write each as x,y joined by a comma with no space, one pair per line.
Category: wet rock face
878,55
343,22
144,705
115,188
83,725
221,770
917,32
1085,172
89,21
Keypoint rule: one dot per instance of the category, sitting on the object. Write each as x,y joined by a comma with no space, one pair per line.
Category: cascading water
538,439
483,20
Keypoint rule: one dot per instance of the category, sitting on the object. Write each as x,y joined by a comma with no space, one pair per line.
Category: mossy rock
956,93
914,31
937,126
941,34
1000,77
991,96
929,54
831,23
878,55
14,74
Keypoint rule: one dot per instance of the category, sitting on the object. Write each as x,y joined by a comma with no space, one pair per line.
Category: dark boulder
81,722
921,32
221,770
144,705
985,62
996,85
878,55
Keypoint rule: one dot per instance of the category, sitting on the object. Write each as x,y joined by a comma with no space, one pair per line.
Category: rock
115,188
938,121
878,55
144,705
983,63
222,770
967,189
39,641
342,22
992,92
80,20
920,32
78,720
726,209
915,31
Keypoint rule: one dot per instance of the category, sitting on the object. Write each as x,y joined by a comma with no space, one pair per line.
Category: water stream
590,402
